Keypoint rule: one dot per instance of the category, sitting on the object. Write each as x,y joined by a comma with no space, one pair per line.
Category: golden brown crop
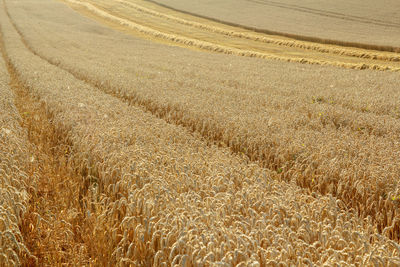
329,135
169,168
14,181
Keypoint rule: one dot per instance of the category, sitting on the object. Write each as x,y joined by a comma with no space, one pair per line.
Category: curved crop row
158,195
299,131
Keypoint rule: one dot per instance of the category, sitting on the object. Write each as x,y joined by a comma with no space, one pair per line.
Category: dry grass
159,194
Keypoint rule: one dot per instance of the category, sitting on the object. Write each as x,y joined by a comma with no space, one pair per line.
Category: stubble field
117,150
357,22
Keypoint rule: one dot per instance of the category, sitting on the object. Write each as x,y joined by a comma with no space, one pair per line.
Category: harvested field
156,23
135,153
362,22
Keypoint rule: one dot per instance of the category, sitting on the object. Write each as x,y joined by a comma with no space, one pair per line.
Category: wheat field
123,147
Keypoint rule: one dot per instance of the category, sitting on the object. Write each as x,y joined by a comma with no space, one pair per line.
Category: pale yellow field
365,22
154,22
118,149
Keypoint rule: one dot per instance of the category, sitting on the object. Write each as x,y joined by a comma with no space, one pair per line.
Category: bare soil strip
168,26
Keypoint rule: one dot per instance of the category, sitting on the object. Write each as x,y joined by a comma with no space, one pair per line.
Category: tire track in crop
54,226
325,13
282,50
212,133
